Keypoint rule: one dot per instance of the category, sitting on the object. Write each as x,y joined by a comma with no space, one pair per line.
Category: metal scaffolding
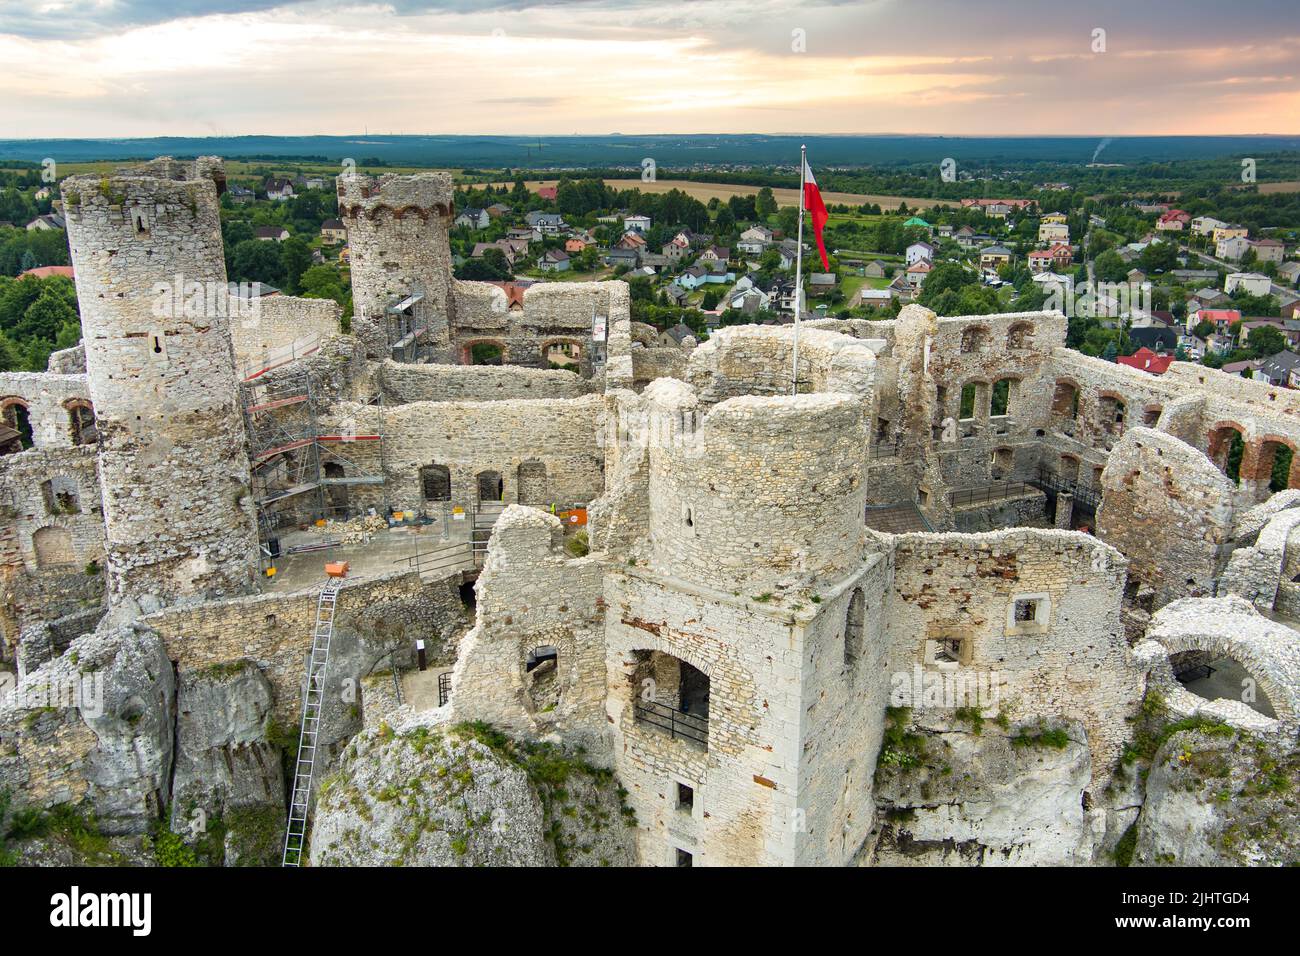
295,466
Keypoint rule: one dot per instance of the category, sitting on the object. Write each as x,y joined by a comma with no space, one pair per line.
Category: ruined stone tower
151,282
398,249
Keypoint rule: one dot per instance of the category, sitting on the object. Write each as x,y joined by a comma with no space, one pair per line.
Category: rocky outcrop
424,797
429,795
1220,797
223,759
93,729
968,792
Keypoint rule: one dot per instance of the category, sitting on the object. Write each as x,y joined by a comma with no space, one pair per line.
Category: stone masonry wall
173,466
1072,660
404,383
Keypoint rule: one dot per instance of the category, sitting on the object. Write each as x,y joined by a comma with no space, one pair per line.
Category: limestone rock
427,797
223,759
1220,798
981,799
112,755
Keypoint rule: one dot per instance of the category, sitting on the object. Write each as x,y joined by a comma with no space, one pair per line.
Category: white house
1254,283
1231,247
637,223
1205,225
918,251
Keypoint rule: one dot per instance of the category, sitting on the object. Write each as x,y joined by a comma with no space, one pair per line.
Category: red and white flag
812,201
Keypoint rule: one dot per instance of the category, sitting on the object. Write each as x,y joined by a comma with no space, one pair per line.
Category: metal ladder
295,834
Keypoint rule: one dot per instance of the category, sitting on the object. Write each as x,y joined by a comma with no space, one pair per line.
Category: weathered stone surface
427,797
223,759
112,755
984,800
1220,799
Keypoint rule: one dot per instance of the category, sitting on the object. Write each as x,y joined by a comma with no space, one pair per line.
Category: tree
765,203
1109,267
295,259
1265,340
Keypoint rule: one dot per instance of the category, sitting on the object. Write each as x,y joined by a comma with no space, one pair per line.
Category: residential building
1053,232
917,272
822,284
637,224
333,231
472,218
270,233
1232,248
279,190
918,251
554,260
1175,220
1280,369
1268,250
49,221
1255,283
994,257
1147,361
1206,225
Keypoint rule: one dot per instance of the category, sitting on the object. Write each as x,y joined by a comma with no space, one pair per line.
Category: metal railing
444,688
280,355
1052,481
687,727
983,494
452,557
884,449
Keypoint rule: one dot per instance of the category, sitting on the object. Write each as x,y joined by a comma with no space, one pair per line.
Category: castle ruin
794,613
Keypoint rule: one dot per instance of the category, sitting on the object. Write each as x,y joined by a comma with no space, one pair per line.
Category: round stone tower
151,283
758,492
398,248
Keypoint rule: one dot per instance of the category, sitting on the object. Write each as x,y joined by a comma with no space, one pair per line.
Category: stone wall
275,631
397,240
758,492
275,322
532,596
1169,510
549,313
471,438
48,398
1071,660
404,383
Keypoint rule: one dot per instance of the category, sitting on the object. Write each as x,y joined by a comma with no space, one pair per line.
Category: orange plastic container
337,569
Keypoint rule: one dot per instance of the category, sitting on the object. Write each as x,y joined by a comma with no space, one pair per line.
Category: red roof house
1147,361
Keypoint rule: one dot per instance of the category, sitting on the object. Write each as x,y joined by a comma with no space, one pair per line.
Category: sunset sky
120,68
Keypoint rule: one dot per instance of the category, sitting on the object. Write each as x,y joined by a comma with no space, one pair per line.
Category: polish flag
812,201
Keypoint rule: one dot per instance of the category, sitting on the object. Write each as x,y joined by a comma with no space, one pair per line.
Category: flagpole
798,271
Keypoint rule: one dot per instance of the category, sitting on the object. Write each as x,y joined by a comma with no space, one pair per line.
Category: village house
554,260
333,231
270,233
279,190
1175,220
472,218
1256,283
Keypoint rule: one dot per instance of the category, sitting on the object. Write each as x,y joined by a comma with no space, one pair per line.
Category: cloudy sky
119,68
